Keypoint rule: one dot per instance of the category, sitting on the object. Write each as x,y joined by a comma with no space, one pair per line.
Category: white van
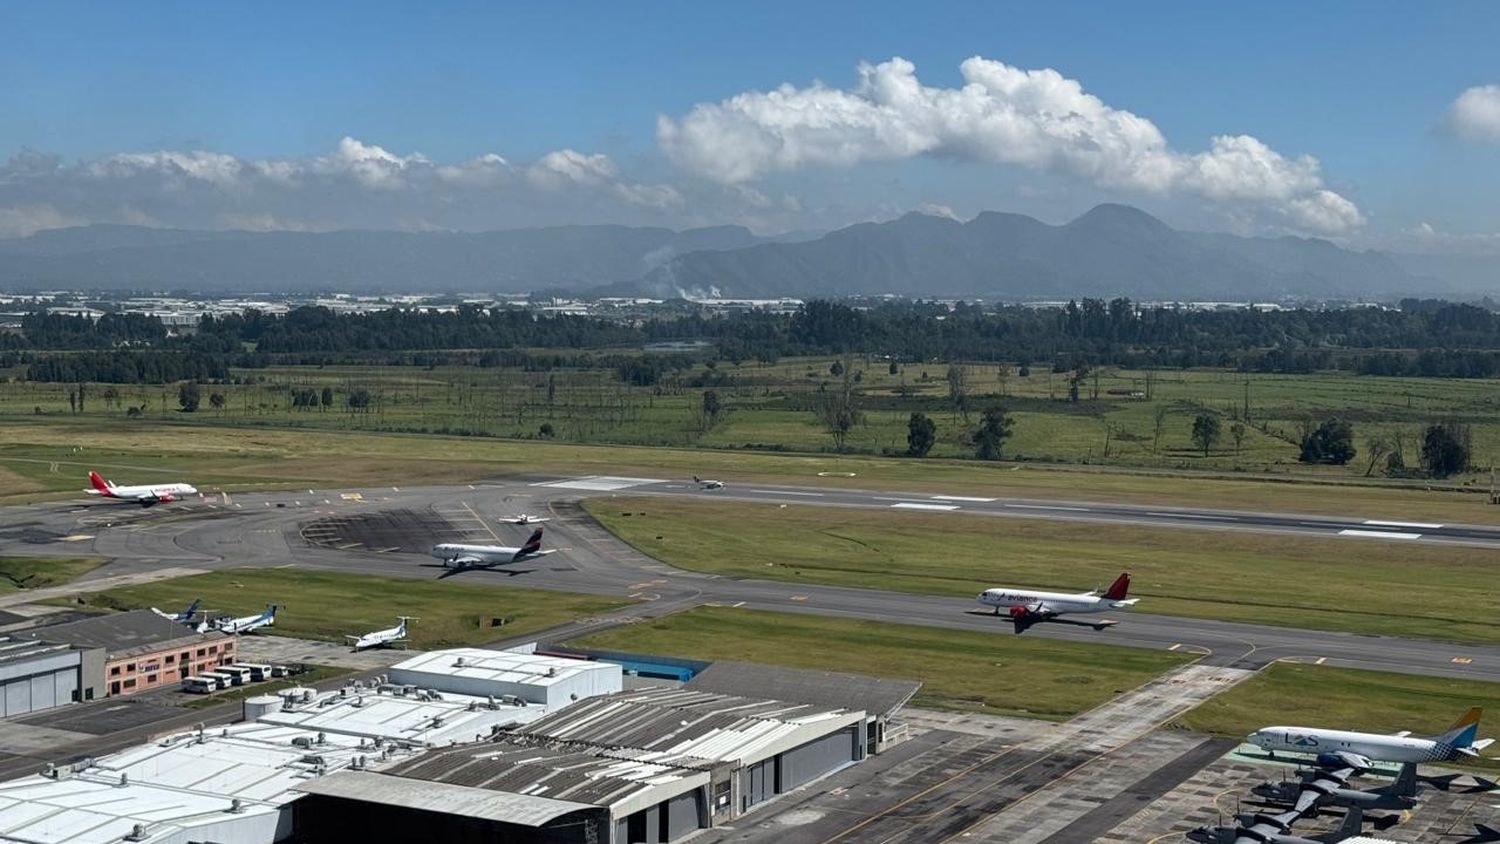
199,685
239,675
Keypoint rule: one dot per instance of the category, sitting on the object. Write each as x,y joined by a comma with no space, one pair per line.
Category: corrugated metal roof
500,666
451,799
876,695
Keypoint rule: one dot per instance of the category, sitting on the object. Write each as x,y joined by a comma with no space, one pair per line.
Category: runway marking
737,604
888,498
482,522
1423,525
1320,660
1048,507
1194,516
285,566
77,537
1380,534
969,498
600,483
788,492
1462,660
797,598
1175,647
913,505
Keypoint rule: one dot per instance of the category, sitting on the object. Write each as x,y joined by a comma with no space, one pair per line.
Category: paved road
317,530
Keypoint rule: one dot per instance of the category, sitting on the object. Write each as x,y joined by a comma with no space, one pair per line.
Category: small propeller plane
247,623
525,519
381,638
182,617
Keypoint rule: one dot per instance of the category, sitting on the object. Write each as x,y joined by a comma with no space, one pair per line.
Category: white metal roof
451,799
501,666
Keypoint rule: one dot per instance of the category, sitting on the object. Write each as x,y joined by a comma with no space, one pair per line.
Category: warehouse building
546,680
37,674
651,765
142,650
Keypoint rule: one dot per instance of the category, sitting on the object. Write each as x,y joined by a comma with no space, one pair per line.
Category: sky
1376,124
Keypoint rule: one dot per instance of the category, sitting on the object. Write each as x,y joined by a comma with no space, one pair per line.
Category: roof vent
236,807
124,780
551,671
137,833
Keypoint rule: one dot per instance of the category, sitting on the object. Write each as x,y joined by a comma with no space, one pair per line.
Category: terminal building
36,674
141,649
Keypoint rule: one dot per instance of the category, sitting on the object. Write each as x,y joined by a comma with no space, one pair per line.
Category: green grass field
999,675
329,606
1325,583
17,573
50,457
1304,695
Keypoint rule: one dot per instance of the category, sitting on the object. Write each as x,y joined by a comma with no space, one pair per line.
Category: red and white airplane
1028,606
145,496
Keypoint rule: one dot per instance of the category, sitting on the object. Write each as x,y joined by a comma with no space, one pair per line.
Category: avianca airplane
1360,749
483,556
1027,607
388,636
142,495
247,623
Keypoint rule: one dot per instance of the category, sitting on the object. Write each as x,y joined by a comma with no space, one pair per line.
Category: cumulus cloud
356,185
1475,115
1037,119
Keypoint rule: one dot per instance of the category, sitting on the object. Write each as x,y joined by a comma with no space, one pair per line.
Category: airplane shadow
1102,623
450,571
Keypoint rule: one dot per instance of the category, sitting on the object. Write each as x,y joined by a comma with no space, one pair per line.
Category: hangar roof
121,634
522,809
876,695
500,666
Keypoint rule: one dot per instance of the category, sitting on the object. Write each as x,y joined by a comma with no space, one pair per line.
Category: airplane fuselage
485,555
1056,602
1372,746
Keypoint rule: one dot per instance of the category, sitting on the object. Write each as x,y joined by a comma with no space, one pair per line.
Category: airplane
1361,750
247,623
1328,786
702,484
1483,834
1275,829
525,519
484,556
183,617
1027,607
145,496
388,636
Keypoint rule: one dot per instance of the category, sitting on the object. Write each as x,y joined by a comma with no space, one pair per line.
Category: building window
187,655
201,652
171,658
88,694
75,695
114,671
114,688
213,649
150,678
130,684
130,668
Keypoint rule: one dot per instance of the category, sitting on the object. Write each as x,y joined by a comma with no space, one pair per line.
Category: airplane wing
468,560
1023,616
1402,734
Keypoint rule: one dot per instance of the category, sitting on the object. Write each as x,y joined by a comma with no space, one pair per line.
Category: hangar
38,674
652,765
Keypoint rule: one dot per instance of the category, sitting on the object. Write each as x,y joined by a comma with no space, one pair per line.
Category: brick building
142,650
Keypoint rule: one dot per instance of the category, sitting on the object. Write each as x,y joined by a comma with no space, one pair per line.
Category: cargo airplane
145,496
484,556
380,638
1027,607
1333,747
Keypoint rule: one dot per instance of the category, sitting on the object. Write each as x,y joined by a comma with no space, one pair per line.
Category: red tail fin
99,483
1119,588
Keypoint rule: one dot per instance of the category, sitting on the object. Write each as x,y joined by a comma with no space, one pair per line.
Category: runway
308,530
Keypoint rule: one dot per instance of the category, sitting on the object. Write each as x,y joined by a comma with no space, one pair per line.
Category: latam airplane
1361,749
706,484
145,496
484,556
247,623
379,638
1027,607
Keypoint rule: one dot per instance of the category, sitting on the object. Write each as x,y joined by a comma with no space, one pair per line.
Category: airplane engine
1019,613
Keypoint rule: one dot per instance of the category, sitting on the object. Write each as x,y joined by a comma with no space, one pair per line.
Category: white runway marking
912,505
1048,507
600,483
1423,525
1194,516
788,492
1381,534
962,498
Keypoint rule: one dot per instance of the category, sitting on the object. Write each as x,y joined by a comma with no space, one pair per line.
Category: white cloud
26,221
1037,119
1475,115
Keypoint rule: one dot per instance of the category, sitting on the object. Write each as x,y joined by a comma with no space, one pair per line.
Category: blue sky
1362,87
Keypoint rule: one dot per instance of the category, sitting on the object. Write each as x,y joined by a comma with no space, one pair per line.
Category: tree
1160,419
1237,431
545,431
836,369
1331,442
1376,447
1205,431
994,429
216,401
921,434
958,390
1446,447
359,400
326,399
894,368
187,396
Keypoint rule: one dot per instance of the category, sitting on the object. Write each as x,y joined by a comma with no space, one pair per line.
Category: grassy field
1343,698
18,573
1000,675
50,457
1326,583
329,606
766,406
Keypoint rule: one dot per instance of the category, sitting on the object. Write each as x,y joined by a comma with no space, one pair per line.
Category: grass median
329,606
984,672
1333,583
26,573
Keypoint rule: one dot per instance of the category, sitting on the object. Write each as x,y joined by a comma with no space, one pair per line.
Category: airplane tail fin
1119,589
697,480
192,609
1354,821
534,544
100,484
1463,732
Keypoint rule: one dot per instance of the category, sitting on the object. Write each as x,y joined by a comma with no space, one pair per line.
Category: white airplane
702,484
389,636
526,519
247,623
142,495
183,617
484,556
1361,749
1027,607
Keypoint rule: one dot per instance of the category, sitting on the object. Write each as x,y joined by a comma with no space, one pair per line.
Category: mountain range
1111,250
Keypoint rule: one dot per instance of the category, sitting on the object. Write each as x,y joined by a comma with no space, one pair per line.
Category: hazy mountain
1111,250
569,257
